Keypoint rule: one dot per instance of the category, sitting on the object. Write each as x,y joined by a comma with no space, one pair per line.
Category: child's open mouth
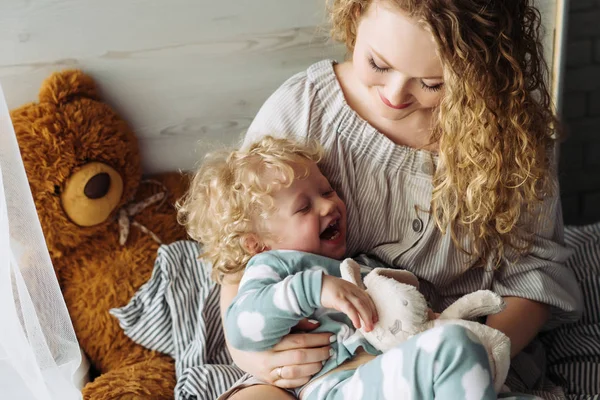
332,232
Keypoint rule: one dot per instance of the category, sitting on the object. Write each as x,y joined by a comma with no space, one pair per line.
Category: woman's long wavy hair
495,124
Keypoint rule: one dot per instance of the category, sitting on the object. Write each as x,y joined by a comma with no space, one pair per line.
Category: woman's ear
252,244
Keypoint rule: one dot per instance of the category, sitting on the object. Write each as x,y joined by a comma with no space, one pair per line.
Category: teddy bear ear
61,87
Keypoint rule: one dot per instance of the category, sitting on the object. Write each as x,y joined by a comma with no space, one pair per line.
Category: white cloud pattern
285,298
430,340
395,385
354,388
251,325
262,272
475,382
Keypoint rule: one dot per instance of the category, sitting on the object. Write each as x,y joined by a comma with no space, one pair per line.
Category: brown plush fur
69,128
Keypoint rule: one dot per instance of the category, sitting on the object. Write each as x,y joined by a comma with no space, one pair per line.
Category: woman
438,134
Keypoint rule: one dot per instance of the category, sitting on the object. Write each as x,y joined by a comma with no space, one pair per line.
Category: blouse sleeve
542,275
286,113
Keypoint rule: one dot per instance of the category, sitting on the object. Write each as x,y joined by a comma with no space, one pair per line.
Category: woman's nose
397,91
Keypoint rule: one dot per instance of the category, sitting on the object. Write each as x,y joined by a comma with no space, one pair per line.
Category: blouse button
417,225
427,168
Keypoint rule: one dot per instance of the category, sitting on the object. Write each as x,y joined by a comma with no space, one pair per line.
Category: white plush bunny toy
403,313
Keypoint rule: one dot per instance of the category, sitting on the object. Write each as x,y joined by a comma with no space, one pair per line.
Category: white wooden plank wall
188,75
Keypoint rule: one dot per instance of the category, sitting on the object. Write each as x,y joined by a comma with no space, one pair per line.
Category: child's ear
252,244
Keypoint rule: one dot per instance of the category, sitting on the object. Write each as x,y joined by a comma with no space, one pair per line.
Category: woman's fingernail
332,338
313,321
331,352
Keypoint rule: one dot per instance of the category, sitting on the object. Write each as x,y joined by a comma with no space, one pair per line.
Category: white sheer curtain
39,354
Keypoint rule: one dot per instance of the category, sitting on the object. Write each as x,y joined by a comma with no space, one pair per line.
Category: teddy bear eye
57,190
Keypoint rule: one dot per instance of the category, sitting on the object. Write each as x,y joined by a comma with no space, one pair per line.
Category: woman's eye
328,193
376,67
432,88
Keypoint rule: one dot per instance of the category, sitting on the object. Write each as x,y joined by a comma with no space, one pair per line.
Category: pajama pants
443,363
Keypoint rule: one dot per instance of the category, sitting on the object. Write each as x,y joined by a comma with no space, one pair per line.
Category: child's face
309,216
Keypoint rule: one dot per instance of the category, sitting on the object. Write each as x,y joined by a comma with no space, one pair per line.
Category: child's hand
432,315
348,298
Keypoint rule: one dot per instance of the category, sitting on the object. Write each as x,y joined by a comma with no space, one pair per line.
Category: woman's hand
292,362
348,298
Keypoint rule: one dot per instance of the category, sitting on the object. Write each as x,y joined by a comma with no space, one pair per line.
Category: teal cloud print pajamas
279,288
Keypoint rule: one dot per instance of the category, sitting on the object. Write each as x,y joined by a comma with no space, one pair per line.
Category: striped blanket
177,312
573,351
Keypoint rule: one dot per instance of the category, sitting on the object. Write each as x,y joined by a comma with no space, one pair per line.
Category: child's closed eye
328,192
303,209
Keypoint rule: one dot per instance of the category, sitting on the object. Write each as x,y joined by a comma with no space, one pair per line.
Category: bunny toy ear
398,275
350,271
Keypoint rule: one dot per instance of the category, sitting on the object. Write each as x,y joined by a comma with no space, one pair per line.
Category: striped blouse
387,189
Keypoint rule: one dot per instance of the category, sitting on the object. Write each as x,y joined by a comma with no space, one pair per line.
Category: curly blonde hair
231,193
495,126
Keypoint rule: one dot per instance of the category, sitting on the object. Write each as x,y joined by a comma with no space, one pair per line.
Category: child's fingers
348,309
368,302
365,311
432,315
375,313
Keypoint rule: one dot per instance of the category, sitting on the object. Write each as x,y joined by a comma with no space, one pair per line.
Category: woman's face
395,59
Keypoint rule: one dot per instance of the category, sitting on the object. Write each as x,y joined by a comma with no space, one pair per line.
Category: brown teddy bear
102,223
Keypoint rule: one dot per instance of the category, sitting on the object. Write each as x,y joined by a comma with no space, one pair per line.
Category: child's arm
268,306
269,303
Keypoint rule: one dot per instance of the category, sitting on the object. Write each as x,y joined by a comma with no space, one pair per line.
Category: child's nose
327,207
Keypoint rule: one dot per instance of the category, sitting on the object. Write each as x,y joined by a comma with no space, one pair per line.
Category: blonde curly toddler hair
231,193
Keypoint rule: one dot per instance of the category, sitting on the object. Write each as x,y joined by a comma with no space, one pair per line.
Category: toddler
268,216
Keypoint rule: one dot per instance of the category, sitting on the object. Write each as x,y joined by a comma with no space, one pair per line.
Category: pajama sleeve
542,275
273,297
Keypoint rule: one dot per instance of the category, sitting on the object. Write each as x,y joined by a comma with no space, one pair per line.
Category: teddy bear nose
98,186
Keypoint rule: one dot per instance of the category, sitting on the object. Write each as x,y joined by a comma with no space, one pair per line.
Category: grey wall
580,153
188,75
